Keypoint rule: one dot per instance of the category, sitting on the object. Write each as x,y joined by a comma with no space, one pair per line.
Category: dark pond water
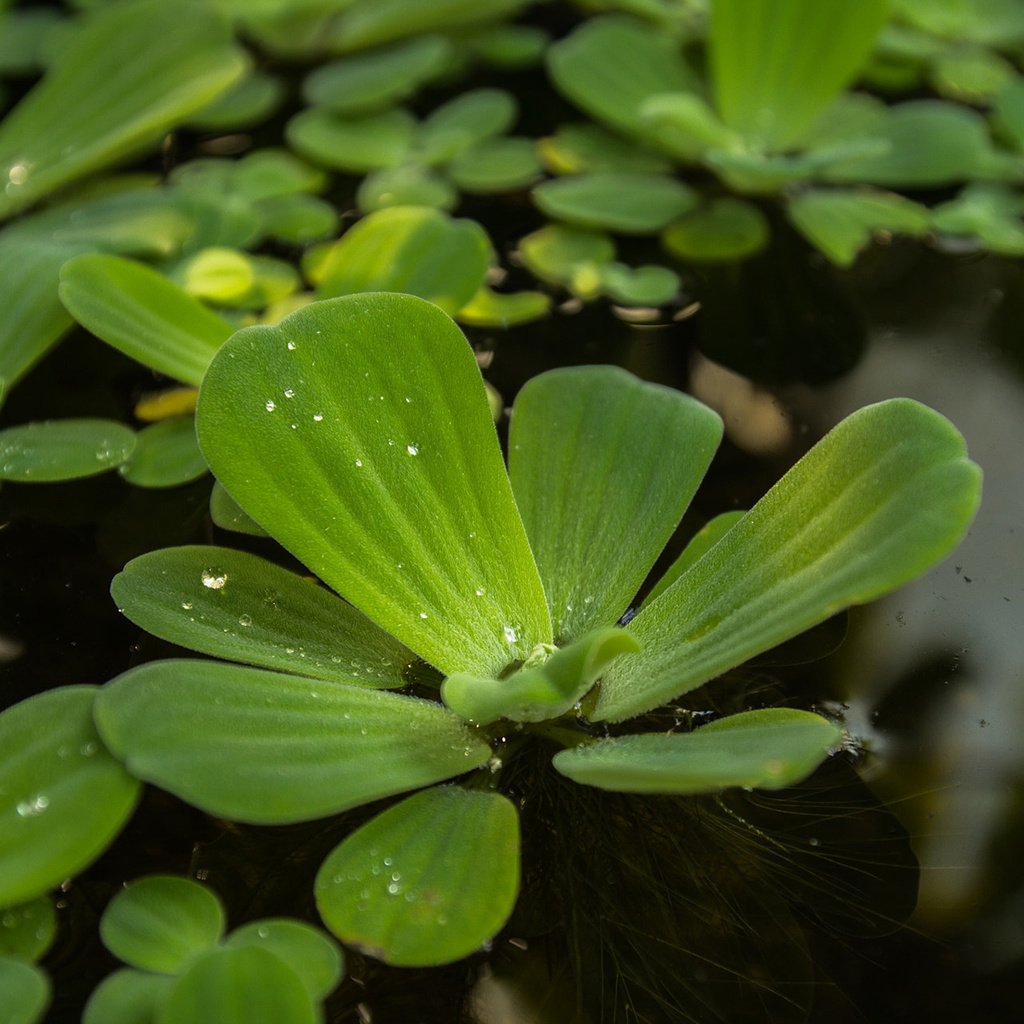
886,888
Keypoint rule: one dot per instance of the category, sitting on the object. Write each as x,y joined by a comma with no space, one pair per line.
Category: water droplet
318,417
510,634
423,615
337,879
388,861
289,392
263,931
88,749
391,442
412,449
289,650
589,599
187,605
394,888
359,463
291,346
34,807
271,405
479,591
245,620
214,580
295,426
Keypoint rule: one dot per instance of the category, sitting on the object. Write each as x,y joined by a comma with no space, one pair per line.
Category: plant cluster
467,614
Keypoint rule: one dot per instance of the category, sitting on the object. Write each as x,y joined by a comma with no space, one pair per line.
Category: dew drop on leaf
214,580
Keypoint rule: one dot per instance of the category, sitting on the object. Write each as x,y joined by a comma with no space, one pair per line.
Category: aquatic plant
358,434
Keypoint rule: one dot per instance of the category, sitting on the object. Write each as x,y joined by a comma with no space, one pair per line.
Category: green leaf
217,274
27,930
496,165
370,24
883,497
64,797
971,75
686,124
273,173
707,537
131,73
298,219
987,211
245,985
63,449
581,147
249,102
598,497
840,223
34,320
225,513
268,748
127,997
768,749
365,82
509,47
143,314
1008,113
409,249
426,882
777,64
166,454
612,64
489,308
469,119
160,922
723,231
327,430
352,144
548,685
568,256
24,991
930,144
407,185
238,606
313,956
632,203
639,286
24,39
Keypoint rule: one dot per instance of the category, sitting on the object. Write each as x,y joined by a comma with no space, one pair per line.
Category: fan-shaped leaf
24,991
166,454
358,433
127,997
887,494
603,467
160,922
426,882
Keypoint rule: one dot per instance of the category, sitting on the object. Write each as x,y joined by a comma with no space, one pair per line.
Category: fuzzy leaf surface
603,466
269,748
884,496
166,454
357,432
238,606
426,882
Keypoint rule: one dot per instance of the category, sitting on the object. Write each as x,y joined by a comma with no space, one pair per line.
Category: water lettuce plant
467,613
